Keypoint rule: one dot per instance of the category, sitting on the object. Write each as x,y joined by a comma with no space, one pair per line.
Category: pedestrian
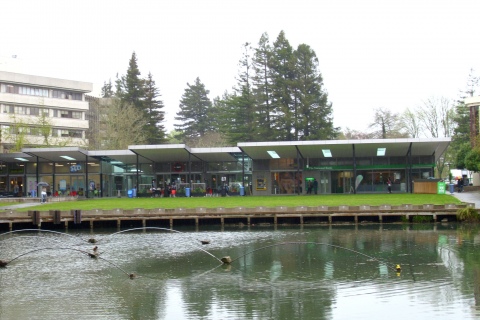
315,186
44,195
389,185
460,185
15,190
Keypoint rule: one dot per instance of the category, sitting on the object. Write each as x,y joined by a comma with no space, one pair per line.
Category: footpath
468,197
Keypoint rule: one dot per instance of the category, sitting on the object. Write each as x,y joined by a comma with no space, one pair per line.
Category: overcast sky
372,53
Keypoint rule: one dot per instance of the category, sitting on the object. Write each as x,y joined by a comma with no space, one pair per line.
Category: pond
310,272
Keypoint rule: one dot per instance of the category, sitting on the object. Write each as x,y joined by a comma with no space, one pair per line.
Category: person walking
44,195
315,186
389,185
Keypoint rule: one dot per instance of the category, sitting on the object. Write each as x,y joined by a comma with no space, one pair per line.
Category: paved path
469,197
19,205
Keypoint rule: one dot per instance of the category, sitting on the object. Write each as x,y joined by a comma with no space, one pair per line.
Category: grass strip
249,201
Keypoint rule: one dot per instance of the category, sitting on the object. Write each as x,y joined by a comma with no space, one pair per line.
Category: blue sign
75,168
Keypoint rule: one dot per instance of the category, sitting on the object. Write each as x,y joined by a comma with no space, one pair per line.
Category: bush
468,215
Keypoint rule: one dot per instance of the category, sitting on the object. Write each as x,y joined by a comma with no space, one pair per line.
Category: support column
354,170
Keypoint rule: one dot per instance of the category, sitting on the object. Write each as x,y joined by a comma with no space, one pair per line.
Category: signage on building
177,167
75,168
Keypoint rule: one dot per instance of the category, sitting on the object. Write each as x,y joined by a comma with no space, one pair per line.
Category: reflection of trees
467,235
288,281
301,280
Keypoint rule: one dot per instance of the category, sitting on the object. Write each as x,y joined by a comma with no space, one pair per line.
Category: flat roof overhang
182,153
345,148
60,154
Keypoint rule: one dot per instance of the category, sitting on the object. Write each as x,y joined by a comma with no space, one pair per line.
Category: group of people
312,186
169,191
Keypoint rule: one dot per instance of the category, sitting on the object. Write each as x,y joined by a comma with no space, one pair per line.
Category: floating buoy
226,260
131,275
91,240
3,264
398,268
204,241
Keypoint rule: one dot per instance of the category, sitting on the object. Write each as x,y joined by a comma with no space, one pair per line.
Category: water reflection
317,272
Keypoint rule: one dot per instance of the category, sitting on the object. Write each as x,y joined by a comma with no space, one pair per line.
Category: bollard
57,217
77,216
35,217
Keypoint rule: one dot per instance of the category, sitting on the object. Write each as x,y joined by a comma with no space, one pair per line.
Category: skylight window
327,153
67,158
381,152
273,154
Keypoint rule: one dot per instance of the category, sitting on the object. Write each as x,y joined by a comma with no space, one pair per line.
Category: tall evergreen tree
131,88
282,73
463,139
312,111
194,110
154,114
107,89
241,105
262,89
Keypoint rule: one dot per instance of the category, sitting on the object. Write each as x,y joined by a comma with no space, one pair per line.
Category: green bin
441,187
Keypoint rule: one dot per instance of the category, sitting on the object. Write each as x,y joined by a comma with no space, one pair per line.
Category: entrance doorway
342,182
16,186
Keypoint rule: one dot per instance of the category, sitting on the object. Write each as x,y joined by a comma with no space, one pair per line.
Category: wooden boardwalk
12,220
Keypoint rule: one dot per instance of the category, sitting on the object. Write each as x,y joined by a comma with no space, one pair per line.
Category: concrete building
37,110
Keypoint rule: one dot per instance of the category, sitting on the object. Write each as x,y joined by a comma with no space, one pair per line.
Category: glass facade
105,177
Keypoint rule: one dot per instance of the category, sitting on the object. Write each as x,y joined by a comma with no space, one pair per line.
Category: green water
317,272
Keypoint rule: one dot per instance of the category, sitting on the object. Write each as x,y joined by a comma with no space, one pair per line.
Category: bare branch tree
437,116
410,123
123,125
387,125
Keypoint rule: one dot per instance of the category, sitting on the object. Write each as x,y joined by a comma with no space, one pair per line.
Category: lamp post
449,173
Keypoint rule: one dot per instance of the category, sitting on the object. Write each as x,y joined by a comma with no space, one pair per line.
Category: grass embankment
248,201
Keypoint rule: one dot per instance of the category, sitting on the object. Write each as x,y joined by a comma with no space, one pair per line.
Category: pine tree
241,104
154,113
262,90
131,87
312,111
194,110
282,72
107,89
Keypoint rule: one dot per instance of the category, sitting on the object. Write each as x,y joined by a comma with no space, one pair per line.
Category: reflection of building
34,109
342,166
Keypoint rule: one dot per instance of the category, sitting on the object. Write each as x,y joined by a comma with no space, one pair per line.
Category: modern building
257,168
42,111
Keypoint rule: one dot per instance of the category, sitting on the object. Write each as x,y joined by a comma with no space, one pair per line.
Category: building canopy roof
346,148
254,150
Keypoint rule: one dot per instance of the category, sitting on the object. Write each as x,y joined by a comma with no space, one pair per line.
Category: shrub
468,215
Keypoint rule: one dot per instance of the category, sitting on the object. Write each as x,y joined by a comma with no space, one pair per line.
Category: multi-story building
37,110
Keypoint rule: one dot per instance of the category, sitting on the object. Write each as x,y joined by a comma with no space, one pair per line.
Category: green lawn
249,201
